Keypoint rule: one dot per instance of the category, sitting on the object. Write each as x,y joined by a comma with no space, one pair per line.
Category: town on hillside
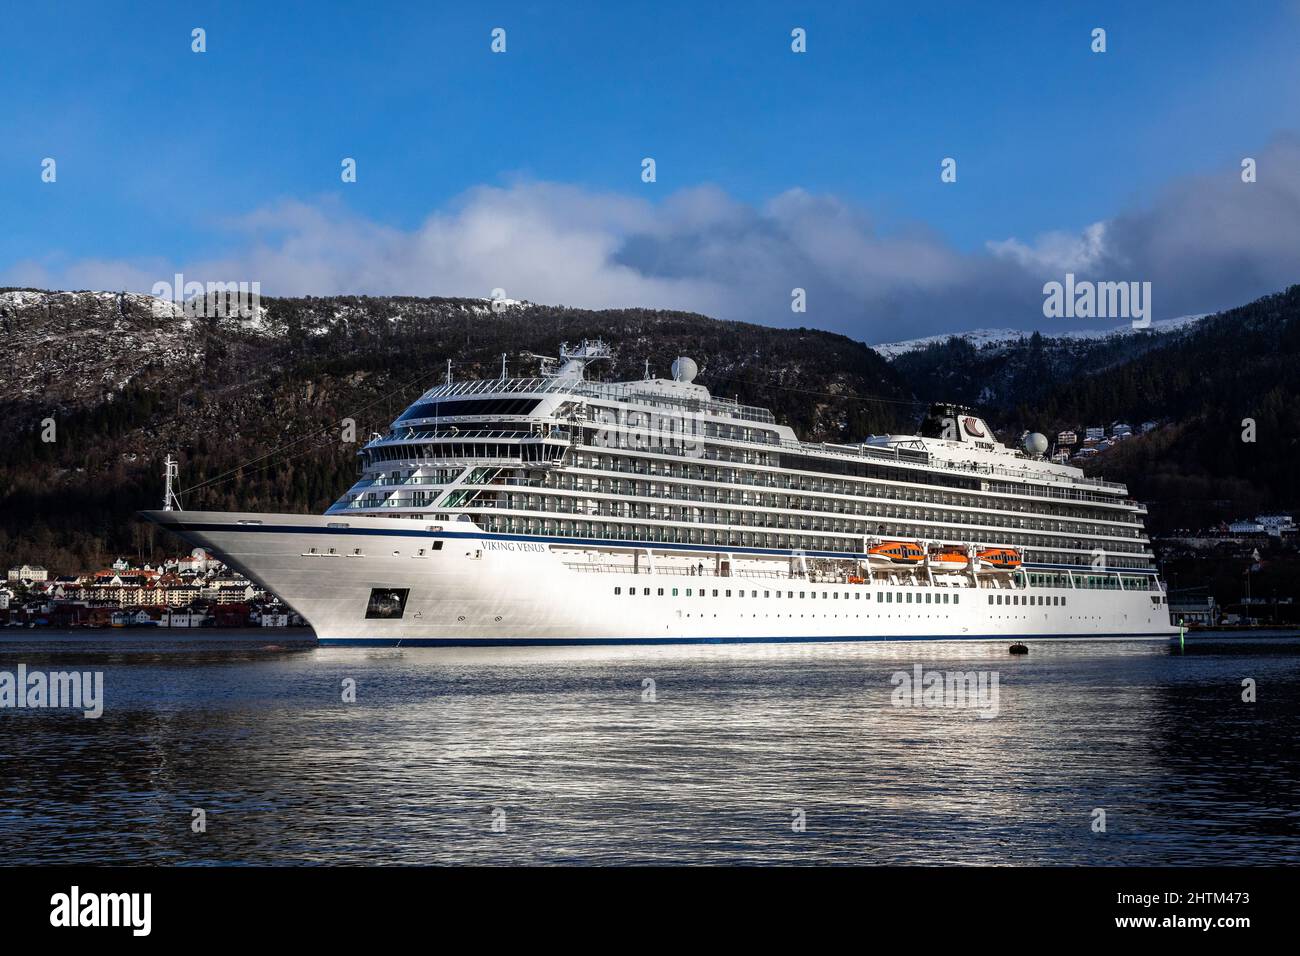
1236,573
186,592
1069,449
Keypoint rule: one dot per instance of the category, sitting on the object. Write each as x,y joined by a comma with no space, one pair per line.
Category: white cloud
1056,252
1206,243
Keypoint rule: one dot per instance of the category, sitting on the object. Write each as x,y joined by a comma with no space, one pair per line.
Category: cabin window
661,592
437,546
956,599
674,592
990,598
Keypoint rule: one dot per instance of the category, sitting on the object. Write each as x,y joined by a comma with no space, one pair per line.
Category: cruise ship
560,510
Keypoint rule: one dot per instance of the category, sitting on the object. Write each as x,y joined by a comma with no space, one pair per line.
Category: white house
29,572
182,618
1276,524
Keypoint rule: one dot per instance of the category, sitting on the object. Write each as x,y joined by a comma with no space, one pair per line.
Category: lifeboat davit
948,560
1000,559
896,552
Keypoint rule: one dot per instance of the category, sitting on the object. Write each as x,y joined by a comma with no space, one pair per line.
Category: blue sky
230,159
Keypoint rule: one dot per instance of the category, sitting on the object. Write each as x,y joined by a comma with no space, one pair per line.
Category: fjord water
557,755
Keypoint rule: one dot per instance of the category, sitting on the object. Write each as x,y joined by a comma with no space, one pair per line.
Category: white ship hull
457,585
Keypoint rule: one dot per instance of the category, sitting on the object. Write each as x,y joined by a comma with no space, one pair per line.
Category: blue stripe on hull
585,641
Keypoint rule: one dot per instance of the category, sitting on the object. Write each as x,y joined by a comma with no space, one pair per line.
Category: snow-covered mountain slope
993,337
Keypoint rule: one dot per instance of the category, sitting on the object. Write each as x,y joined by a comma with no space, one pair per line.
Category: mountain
1228,393
254,406
1001,368
1003,338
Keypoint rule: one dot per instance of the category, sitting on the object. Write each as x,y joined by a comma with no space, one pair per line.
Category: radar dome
684,369
1035,443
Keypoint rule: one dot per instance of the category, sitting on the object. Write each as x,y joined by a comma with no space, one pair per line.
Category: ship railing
409,434
1066,490
617,391
713,455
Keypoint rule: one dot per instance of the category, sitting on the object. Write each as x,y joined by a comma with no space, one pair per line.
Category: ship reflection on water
716,754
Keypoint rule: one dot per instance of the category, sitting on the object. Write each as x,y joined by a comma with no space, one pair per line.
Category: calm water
581,769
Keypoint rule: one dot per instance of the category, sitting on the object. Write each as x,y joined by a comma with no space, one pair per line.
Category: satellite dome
1035,443
684,369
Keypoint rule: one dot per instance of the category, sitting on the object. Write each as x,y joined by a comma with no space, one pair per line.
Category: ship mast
170,501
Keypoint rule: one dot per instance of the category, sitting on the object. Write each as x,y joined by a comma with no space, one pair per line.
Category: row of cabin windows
356,552
912,489
882,597
926,486
688,534
916,488
1029,600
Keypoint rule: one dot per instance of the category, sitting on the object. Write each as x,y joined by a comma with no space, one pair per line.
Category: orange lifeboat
948,559
1000,559
896,552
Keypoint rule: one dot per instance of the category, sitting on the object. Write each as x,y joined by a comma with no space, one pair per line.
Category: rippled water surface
560,748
